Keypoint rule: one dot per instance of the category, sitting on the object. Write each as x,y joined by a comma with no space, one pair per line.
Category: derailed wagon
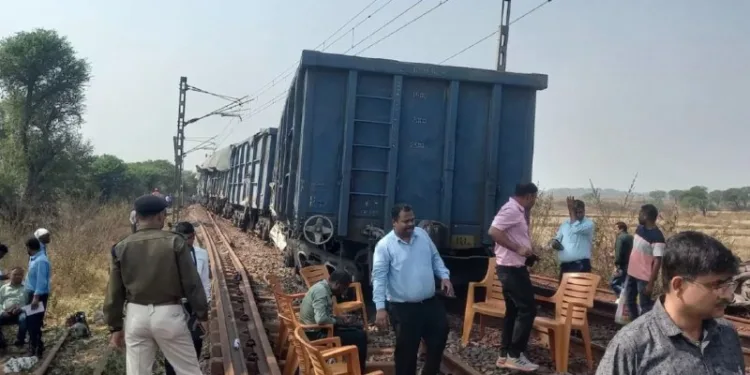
248,186
212,179
358,135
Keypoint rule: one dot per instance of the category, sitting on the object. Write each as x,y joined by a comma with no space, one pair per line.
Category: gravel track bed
261,259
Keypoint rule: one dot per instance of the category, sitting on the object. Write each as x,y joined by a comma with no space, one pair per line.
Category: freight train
358,135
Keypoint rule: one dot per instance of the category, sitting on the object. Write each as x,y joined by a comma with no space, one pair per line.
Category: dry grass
732,228
82,235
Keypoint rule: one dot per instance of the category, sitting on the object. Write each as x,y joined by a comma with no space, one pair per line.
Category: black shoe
19,344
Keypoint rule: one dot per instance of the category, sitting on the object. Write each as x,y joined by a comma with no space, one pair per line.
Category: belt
415,303
578,261
167,303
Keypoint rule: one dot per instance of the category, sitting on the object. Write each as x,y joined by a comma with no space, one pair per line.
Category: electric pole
502,45
179,151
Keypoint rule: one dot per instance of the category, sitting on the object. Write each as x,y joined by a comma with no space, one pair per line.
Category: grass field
732,228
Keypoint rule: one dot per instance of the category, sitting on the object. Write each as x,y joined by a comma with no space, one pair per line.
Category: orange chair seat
496,308
545,322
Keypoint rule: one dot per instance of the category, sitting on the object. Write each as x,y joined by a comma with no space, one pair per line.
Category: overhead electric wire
225,97
290,70
383,26
256,111
346,23
415,19
495,32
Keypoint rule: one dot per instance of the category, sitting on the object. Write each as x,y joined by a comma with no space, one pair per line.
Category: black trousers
195,334
583,265
34,324
520,309
349,336
414,321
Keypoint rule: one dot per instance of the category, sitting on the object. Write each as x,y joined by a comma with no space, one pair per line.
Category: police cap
147,205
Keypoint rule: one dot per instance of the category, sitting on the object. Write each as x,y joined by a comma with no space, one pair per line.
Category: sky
657,88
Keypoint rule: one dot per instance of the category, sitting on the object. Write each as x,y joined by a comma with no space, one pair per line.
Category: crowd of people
681,331
24,295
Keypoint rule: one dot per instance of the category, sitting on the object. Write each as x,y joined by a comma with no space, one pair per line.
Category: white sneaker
617,301
521,364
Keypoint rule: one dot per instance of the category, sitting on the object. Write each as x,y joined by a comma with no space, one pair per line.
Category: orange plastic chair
346,357
493,304
572,300
313,274
295,356
278,294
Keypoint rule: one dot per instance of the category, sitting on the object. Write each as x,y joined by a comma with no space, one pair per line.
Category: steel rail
232,359
267,363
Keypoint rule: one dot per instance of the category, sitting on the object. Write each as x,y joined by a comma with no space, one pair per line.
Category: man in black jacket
623,246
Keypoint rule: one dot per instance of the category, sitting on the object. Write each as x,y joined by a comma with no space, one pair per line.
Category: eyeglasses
717,286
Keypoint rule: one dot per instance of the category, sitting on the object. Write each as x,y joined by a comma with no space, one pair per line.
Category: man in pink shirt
510,232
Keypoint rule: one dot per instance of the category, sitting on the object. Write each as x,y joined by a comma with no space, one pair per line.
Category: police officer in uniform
153,270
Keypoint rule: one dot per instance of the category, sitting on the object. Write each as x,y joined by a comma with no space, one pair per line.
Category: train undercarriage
316,245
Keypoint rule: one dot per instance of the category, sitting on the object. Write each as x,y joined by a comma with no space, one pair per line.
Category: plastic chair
316,273
572,300
493,304
346,357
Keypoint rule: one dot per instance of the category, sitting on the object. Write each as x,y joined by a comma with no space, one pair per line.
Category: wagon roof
218,161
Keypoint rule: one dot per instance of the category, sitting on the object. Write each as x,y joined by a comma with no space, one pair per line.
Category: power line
258,110
346,23
495,32
383,26
415,19
362,21
290,70
225,97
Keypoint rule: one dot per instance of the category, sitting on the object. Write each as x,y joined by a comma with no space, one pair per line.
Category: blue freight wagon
212,178
247,186
358,135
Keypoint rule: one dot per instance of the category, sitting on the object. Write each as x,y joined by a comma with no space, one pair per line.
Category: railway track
239,313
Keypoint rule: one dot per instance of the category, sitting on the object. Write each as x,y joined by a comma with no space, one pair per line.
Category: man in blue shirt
37,292
404,268
575,236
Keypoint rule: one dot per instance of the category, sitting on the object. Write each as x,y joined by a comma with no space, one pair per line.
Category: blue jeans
618,282
637,298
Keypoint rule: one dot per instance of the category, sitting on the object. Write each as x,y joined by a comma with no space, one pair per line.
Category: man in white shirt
200,258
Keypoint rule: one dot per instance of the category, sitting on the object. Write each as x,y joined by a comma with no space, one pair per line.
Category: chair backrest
291,324
576,287
494,294
274,282
318,364
313,274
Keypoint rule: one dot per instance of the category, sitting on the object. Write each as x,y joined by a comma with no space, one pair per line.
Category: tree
716,197
737,198
42,85
658,196
696,198
110,175
675,195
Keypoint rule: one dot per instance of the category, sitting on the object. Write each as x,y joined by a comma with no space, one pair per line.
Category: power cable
225,97
290,70
383,26
415,19
495,32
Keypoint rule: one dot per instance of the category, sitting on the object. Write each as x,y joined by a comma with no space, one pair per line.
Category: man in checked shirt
684,333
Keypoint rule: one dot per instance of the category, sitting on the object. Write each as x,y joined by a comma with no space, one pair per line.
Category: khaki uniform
144,273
